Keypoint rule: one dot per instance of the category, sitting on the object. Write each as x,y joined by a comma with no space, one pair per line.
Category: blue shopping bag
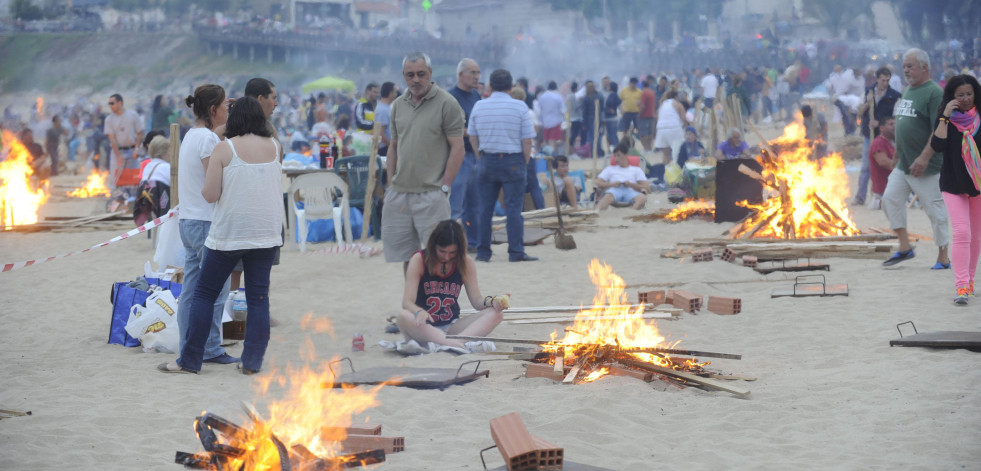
123,298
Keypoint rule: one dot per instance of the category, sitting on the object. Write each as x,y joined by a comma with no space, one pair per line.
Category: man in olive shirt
917,166
424,157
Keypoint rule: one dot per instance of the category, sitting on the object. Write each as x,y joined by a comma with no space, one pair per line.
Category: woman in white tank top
671,123
243,181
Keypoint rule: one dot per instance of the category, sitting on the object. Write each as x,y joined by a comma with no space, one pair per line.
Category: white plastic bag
170,249
155,325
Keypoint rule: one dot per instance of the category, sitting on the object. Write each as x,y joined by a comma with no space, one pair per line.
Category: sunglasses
112,103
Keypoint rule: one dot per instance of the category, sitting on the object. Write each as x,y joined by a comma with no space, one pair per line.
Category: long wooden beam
669,351
707,382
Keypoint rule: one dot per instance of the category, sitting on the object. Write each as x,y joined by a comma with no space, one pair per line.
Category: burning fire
692,208
810,193
299,417
18,201
39,106
618,326
94,186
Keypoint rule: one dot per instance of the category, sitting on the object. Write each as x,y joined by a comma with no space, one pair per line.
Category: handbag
123,297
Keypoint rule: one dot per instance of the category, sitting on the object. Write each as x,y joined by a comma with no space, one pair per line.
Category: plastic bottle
334,152
239,307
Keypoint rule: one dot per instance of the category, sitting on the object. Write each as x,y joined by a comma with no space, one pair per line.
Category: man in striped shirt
501,129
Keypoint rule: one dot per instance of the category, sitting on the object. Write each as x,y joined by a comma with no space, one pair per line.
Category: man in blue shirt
501,129
464,197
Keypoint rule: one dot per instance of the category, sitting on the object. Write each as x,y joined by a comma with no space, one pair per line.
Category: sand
830,393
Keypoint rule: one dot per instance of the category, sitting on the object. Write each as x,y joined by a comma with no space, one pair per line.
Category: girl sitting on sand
433,281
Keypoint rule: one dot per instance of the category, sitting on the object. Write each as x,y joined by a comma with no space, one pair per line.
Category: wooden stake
596,118
175,156
370,189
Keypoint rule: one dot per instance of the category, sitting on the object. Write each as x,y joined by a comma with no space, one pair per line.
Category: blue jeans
497,171
863,175
611,132
217,266
465,199
193,233
73,148
533,186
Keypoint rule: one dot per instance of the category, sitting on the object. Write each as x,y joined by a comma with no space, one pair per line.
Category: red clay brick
720,305
749,261
550,455
651,297
704,255
338,433
728,255
356,443
516,445
686,300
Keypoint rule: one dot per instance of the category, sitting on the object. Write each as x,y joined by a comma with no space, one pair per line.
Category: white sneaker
481,346
875,203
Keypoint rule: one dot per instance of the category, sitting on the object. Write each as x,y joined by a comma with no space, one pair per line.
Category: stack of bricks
685,300
703,255
728,255
720,305
522,451
749,261
656,297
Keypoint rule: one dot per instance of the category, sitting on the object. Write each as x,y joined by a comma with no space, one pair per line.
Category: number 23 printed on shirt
441,309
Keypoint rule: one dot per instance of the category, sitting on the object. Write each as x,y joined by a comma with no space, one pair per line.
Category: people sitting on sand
732,148
622,183
692,148
567,187
434,279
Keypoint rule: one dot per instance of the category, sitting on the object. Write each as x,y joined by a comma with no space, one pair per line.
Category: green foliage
837,14
25,10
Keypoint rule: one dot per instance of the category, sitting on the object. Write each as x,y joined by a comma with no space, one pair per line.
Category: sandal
941,266
899,257
174,367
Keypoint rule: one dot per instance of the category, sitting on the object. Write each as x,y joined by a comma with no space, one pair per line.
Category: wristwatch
445,189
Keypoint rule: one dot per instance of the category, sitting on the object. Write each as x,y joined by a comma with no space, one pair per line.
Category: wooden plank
497,339
573,372
547,309
571,319
692,378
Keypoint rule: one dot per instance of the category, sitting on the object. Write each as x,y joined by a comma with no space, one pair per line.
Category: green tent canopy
329,82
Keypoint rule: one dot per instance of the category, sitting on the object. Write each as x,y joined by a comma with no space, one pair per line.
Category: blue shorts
623,194
446,327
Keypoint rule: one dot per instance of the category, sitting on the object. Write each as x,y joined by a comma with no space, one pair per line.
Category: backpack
152,200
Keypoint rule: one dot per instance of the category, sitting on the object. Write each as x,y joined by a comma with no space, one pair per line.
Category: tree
837,14
25,10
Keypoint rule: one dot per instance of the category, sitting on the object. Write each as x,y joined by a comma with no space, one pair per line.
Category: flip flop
173,367
899,257
941,266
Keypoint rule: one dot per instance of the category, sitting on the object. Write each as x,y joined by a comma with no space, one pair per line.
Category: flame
18,201
615,323
811,193
692,208
305,407
95,185
39,106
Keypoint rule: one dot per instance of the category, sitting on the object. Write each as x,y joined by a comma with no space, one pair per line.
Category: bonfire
95,185
613,333
807,193
19,202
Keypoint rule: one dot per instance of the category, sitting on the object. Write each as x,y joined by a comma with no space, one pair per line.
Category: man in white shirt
710,84
124,128
622,183
552,107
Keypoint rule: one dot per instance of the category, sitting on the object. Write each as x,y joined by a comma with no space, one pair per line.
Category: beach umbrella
329,82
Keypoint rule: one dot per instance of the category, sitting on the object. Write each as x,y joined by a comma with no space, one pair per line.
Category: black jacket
954,178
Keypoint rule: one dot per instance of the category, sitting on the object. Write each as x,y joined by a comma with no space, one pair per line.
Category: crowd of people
450,152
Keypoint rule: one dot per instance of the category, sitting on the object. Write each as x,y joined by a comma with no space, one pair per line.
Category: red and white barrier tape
139,230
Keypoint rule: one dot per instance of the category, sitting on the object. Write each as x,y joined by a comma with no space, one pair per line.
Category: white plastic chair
317,194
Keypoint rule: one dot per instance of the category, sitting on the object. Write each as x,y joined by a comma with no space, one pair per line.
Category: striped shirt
500,123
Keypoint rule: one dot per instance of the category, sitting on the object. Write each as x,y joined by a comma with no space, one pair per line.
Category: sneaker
899,257
481,346
961,298
971,287
875,203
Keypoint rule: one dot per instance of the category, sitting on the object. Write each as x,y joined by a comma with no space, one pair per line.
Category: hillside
65,67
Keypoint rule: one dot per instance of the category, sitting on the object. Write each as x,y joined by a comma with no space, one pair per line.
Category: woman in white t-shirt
671,122
211,111
243,181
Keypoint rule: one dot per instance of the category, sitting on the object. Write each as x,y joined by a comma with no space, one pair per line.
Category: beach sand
831,393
